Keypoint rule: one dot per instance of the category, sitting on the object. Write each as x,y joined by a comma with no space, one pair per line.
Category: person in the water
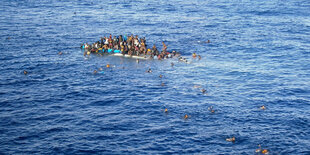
25,72
263,107
233,139
185,117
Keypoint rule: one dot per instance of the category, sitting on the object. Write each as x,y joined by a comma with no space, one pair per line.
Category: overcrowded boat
131,46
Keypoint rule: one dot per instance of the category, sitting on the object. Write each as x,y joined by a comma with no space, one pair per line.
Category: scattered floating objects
232,139
263,107
108,66
25,72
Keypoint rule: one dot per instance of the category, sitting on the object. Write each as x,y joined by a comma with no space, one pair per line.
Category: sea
258,55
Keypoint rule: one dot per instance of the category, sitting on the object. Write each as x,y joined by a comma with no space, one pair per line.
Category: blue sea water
259,55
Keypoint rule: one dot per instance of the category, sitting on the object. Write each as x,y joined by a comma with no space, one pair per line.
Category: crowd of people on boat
131,45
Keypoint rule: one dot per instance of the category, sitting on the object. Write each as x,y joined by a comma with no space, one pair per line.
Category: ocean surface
258,54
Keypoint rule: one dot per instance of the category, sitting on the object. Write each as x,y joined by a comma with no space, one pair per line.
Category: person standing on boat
143,46
110,42
154,50
164,48
125,48
120,39
106,41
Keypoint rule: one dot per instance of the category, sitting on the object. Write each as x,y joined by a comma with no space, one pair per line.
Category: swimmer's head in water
166,110
233,139
25,72
95,71
186,116
263,107
265,151
108,65
160,76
